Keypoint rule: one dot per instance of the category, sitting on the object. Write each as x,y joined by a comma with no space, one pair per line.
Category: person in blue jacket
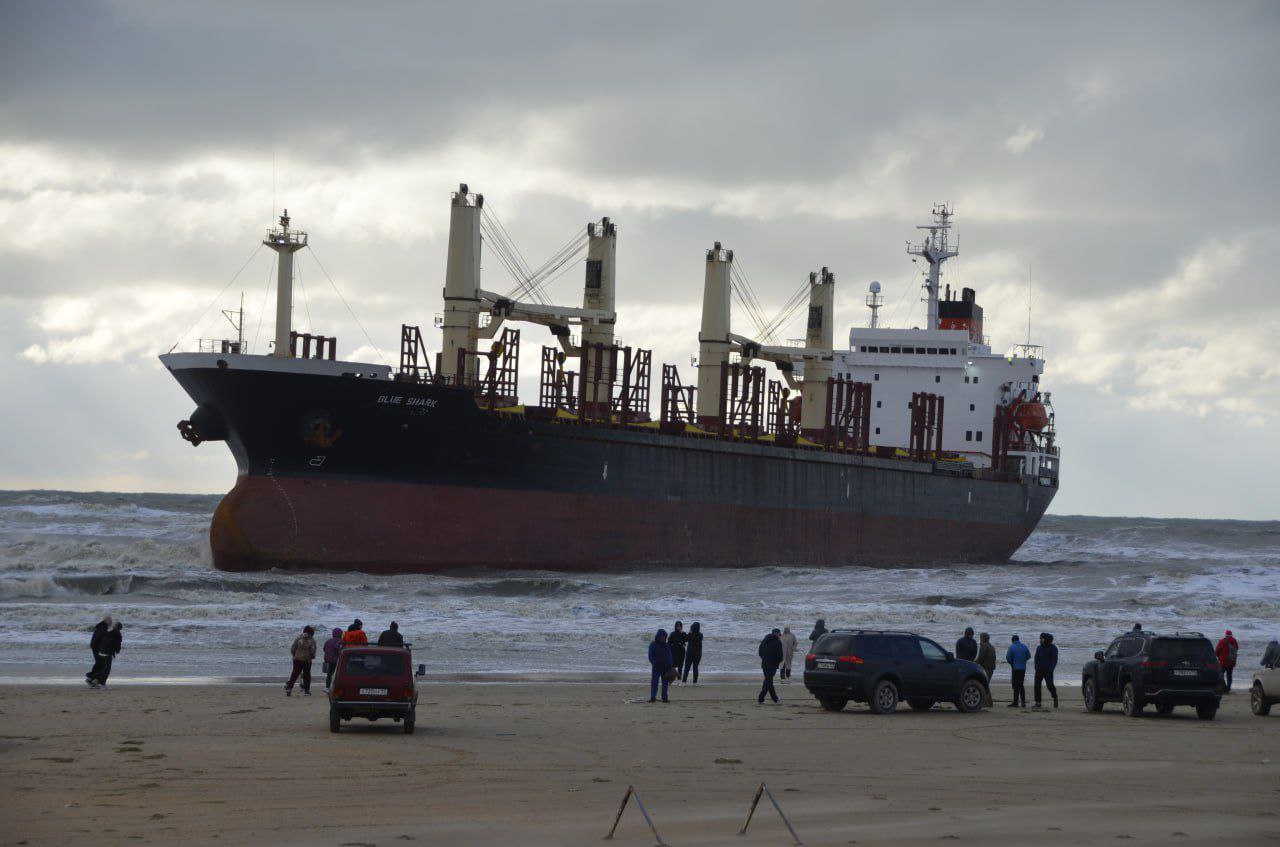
661,664
1017,656
1046,661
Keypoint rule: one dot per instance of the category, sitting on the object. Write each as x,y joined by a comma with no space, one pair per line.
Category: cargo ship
916,446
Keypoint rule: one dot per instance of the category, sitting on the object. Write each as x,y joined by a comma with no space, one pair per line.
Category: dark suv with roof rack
880,668
1165,670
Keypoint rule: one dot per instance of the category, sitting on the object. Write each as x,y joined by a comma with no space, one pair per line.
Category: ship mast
935,249
285,242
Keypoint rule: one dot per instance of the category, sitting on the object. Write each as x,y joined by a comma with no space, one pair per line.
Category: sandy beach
548,764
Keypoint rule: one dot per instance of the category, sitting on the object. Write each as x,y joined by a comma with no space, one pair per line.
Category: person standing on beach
111,644
100,631
677,642
304,653
391,637
1046,661
661,668
1017,656
693,652
1271,656
788,652
966,647
355,633
770,658
987,660
819,630
1227,652
332,648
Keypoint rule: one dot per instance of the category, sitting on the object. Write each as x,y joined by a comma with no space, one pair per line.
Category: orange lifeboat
1032,416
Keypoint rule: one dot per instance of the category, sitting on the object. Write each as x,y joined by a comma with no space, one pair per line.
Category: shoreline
548,763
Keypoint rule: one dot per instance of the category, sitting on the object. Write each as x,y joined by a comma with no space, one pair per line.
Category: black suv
1166,670
881,668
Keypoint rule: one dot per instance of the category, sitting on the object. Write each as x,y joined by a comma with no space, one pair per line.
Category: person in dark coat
111,644
391,637
100,631
677,642
819,630
966,647
693,652
987,660
1046,661
660,665
332,651
770,658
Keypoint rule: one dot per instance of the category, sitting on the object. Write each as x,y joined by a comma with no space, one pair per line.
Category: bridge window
877,404
933,351
979,435
937,378
895,349
968,435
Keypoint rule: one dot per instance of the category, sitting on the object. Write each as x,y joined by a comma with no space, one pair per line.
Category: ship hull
350,473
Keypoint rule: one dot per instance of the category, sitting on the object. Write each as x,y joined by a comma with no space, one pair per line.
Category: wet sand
546,763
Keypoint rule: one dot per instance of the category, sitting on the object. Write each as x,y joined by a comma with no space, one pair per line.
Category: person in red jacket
1226,652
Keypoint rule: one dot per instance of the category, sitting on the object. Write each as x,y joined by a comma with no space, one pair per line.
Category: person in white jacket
788,651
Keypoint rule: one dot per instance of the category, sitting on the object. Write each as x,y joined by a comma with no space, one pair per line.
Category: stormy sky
1122,156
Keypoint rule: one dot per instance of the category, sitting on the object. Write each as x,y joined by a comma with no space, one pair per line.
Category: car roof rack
873,631
1183,634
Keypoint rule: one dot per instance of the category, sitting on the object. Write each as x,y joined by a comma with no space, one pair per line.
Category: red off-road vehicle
373,682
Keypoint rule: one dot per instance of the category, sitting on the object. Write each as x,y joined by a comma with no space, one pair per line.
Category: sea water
68,559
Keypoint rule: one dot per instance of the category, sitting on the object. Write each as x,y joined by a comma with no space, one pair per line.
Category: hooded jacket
987,657
1227,651
355,636
819,629
95,640
333,647
789,644
391,638
677,641
660,653
770,652
1017,656
966,648
111,643
304,648
1046,654
694,649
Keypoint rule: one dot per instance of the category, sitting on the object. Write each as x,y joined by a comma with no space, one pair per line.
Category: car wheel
1258,701
1164,708
1092,701
920,705
1206,713
884,699
335,719
972,697
833,704
1129,701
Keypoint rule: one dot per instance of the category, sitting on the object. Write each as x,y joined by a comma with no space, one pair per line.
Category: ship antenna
874,301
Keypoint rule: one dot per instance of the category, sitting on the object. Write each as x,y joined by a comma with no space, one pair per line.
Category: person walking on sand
355,634
391,637
332,648
111,644
304,653
819,630
966,647
770,658
987,660
100,630
1046,661
693,653
661,668
788,653
677,641
1227,651
1017,656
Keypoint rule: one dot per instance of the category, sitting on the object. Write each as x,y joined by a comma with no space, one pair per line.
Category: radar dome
875,288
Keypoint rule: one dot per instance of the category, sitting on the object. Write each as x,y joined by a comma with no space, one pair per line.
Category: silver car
1266,689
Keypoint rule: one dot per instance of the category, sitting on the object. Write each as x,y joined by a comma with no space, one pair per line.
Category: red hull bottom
382,527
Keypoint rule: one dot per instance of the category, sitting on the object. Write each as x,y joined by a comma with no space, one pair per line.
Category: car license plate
825,664
374,691
1185,673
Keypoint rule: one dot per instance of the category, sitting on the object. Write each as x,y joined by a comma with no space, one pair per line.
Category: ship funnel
713,340
462,285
